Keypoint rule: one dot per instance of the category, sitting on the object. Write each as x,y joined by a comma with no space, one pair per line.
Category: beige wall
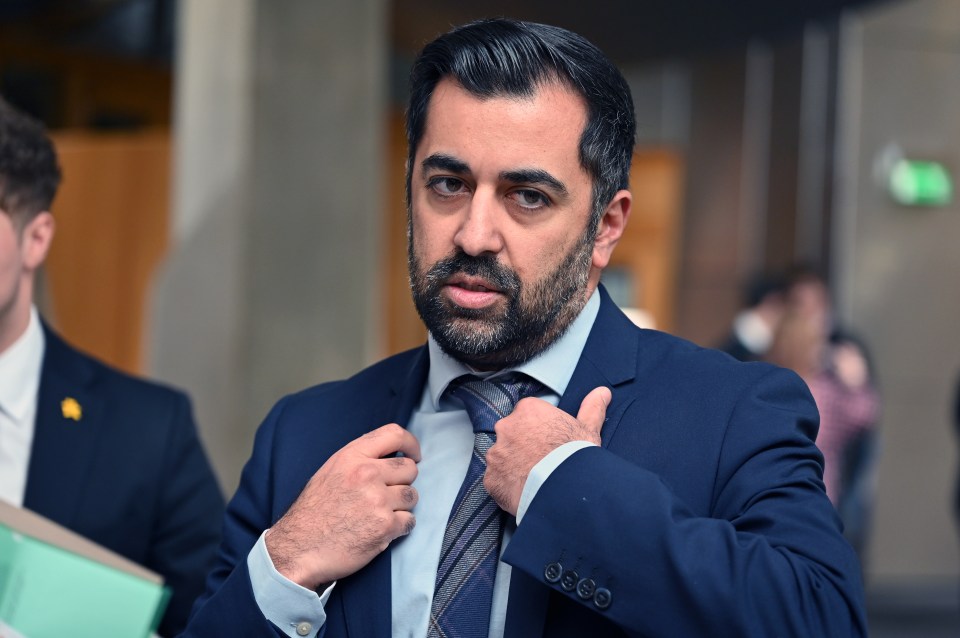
898,272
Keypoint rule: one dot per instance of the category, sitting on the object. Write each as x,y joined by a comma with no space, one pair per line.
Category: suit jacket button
552,573
569,580
602,598
586,588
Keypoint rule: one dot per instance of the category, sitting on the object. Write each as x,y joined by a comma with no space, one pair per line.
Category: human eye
446,186
529,198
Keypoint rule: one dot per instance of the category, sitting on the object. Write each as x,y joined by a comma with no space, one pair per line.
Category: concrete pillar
272,282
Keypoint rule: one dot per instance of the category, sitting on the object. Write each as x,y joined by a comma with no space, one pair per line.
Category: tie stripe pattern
471,543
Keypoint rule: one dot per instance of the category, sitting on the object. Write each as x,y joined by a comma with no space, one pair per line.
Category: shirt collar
553,367
755,333
20,370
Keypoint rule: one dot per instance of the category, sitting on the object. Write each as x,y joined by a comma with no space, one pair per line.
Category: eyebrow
534,176
443,162
440,161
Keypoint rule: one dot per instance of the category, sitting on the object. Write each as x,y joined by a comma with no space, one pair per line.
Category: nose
479,230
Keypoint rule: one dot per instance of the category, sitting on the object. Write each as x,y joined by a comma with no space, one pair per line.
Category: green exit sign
920,183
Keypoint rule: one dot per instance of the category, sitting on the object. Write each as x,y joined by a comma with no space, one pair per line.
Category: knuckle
382,520
392,429
489,482
414,470
409,495
365,473
401,462
377,501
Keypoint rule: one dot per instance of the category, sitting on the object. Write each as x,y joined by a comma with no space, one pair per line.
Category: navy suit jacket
703,513
130,474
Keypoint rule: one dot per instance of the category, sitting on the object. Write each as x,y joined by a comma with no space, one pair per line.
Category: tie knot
488,401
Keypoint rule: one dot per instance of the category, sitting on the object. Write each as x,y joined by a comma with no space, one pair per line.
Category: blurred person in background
756,324
837,370
113,458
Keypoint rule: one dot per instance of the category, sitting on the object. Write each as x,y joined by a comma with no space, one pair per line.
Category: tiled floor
916,612
914,625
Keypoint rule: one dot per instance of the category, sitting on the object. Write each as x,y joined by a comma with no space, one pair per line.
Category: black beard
496,338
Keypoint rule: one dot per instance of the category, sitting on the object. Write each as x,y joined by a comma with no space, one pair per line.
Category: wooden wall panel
649,246
112,215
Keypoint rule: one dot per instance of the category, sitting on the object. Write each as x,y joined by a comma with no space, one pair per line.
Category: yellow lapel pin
71,409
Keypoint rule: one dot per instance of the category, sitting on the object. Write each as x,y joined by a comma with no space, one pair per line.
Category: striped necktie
471,543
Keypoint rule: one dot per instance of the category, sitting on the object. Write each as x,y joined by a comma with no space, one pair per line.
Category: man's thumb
593,409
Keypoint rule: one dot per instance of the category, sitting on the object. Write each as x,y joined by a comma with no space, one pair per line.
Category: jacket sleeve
767,557
189,514
227,606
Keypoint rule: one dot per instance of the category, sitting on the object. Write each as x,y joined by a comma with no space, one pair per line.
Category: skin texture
533,430
22,251
497,180
366,500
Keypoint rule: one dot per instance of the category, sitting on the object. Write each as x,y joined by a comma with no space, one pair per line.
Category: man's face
501,247
810,299
11,266
23,248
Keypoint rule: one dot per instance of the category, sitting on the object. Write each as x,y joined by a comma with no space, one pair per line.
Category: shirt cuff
542,471
295,610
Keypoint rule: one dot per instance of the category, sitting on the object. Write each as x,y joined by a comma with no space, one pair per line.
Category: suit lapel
373,582
609,358
68,427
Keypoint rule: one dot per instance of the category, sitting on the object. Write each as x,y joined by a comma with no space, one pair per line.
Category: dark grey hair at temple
497,57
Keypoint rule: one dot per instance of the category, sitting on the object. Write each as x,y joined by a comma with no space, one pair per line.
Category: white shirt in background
20,368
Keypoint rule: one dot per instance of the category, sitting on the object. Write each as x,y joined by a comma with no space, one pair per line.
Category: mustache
484,266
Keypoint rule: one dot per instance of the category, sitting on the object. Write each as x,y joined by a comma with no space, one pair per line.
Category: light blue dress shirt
445,433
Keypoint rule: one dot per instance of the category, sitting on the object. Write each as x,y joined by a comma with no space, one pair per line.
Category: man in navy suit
111,457
650,487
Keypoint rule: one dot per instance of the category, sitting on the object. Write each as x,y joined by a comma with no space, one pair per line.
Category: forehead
506,129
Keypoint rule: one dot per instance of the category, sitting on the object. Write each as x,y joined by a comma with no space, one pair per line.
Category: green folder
55,583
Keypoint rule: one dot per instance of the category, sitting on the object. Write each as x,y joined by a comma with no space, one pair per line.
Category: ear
612,224
35,240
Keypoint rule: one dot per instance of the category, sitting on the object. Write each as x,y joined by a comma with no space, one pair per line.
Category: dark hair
804,272
763,286
29,174
498,56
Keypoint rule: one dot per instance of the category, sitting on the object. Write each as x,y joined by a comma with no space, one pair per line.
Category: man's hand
533,430
349,511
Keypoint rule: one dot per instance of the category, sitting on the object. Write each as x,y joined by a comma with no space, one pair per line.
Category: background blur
232,216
